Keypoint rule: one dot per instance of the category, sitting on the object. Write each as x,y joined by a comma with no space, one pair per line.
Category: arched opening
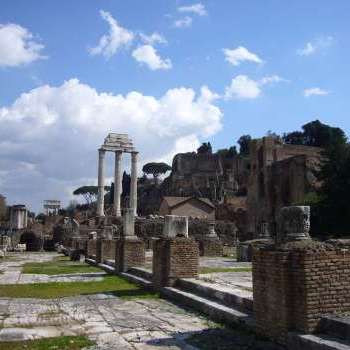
31,240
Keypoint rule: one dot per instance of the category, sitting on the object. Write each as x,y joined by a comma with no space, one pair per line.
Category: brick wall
108,249
91,248
129,253
294,286
174,258
210,247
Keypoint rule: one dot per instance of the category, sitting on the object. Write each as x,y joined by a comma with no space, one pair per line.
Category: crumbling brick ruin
280,175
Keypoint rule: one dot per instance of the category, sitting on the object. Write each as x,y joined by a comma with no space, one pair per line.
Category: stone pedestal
91,248
130,252
99,255
297,280
108,250
210,247
174,258
174,226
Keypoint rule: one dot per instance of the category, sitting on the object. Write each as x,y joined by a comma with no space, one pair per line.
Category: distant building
52,206
188,206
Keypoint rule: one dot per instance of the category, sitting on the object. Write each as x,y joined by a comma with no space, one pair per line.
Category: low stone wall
174,258
147,228
245,249
294,284
91,248
108,249
209,247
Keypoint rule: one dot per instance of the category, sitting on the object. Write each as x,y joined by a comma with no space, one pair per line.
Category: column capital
134,155
101,152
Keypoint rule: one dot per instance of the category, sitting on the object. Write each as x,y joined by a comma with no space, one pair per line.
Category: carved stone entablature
118,142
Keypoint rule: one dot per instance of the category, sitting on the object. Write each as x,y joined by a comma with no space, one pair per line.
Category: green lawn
118,286
59,343
60,266
204,270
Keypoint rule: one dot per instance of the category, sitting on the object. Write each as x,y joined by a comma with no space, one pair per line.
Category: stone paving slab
113,323
234,280
12,270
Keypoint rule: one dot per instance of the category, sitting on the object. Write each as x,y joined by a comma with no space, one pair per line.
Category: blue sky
286,63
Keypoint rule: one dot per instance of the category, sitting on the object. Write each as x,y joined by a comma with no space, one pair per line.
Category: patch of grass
204,270
115,285
58,343
61,265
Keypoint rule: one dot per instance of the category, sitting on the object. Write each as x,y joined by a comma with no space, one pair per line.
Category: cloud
239,55
154,38
17,46
183,22
197,9
242,87
315,92
116,38
315,46
49,136
148,55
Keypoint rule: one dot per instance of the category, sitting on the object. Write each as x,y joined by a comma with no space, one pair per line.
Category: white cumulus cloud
316,91
147,54
116,38
197,9
239,55
316,45
17,46
154,38
49,136
183,22
242,87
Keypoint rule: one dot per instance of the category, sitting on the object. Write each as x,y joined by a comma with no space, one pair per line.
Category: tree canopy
316,134
205,148
89,193
243,142
227,152
156,169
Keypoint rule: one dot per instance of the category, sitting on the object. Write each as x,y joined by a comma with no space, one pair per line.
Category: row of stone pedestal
173,258
296,281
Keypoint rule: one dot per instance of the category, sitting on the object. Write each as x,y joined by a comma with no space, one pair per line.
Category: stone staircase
334,335
235,306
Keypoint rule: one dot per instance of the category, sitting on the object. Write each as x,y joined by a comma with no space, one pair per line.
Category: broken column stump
175,255
129,249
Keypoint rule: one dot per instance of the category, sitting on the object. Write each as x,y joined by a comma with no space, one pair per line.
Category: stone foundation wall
294,286
174,258
209,247
91,248
108,249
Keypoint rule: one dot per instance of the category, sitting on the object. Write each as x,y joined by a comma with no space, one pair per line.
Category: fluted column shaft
101,183
133,184
117,182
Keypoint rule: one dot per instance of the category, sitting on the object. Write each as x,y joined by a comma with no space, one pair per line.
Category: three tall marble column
117,183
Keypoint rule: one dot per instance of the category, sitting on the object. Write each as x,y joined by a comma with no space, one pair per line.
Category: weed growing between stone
114,285
61,343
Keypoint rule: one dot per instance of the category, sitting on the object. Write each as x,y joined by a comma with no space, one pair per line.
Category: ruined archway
32,241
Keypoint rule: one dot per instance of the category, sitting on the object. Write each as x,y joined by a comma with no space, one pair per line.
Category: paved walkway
11,270
113,323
